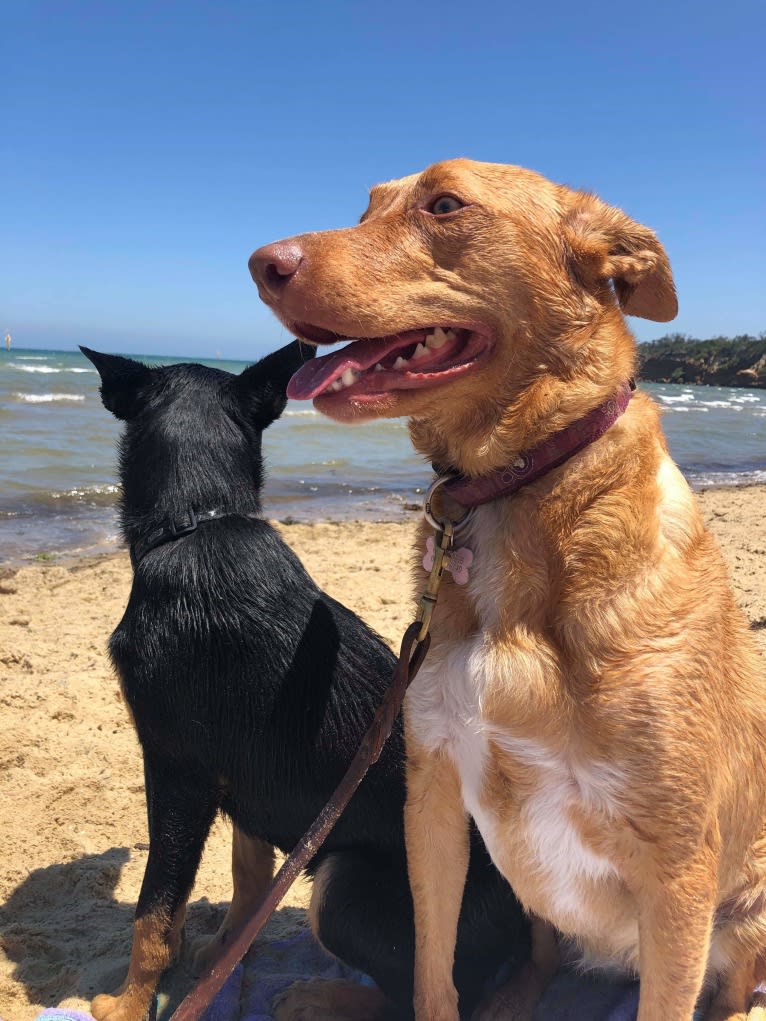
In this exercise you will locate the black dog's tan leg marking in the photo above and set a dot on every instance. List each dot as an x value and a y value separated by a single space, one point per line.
156 942
252 869
330 1001
181 808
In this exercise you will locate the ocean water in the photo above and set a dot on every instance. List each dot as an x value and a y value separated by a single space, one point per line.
58 489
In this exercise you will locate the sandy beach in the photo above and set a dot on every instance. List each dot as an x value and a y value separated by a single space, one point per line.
72 827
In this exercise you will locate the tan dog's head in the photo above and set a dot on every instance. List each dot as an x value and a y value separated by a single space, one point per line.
486 301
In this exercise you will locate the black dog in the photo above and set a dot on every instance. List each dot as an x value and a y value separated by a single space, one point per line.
250 689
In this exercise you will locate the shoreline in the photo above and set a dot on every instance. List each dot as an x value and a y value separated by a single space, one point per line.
409 514
73 829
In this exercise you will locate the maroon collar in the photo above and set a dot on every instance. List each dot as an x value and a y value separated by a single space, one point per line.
531 465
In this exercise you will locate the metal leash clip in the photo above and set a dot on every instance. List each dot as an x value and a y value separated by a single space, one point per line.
442 546
428 512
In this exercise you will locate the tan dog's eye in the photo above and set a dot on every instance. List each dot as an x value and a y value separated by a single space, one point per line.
444 204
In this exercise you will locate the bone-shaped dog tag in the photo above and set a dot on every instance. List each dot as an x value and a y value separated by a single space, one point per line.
457 561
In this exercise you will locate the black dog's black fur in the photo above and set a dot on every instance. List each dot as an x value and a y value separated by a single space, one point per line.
250 688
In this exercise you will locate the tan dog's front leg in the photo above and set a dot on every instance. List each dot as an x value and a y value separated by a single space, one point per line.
436 831
675 923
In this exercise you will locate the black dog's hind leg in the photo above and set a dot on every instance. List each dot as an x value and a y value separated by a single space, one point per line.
361 911
252 869
181 810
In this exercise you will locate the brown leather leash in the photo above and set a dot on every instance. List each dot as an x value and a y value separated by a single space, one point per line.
413 651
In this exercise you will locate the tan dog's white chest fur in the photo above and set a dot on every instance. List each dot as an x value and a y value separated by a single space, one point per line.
536 844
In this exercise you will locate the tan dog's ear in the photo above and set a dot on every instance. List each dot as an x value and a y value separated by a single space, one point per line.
607 245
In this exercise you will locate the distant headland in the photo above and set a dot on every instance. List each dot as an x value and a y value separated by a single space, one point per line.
719 361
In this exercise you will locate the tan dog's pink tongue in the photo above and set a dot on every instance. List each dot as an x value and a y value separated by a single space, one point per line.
314 377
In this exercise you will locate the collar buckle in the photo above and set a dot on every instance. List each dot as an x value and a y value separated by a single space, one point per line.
179 527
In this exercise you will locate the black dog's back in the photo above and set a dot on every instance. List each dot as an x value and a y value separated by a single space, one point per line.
240 670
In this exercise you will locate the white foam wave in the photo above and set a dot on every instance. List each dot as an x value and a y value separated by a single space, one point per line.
683 398
86 491
47 398
712 480
47 369
299 414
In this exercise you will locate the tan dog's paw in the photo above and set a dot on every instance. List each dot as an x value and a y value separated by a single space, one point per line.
325 1000
123 1007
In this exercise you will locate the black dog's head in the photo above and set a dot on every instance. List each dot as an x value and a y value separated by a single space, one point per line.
193 436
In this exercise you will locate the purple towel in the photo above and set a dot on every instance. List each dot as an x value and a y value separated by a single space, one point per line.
62 1014
270 968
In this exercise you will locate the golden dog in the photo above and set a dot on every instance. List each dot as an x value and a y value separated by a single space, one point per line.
593 697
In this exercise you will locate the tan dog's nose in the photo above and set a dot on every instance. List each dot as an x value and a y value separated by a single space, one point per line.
273 265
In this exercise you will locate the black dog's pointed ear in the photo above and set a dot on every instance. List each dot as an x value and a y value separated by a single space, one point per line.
122 382
263 386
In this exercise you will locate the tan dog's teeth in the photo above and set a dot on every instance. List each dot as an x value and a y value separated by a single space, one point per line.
349 376
378 368
420 352
400 362
337 384
436 339
451 335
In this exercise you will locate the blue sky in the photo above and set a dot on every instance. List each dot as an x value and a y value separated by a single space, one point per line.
148 148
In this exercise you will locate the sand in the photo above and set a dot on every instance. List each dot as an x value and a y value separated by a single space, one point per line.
72 824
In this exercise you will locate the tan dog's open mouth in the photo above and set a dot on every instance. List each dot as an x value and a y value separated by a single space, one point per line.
374 367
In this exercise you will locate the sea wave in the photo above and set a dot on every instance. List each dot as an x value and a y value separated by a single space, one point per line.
717 479
46 398
48 369
683 398
87 493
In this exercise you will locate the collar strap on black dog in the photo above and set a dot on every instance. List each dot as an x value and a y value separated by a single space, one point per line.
172 528
531 465
176 528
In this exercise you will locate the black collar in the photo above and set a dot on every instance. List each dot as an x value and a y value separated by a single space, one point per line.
169 531
175 528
